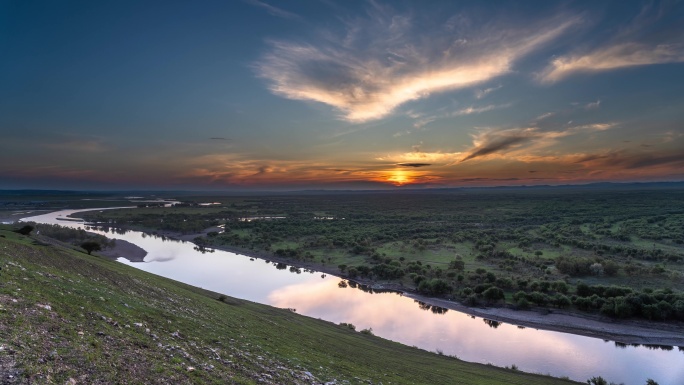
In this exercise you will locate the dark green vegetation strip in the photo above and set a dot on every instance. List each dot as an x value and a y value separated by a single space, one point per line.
614 251
66 315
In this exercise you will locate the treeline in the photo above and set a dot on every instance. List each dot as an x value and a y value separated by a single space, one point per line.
624 302
73 236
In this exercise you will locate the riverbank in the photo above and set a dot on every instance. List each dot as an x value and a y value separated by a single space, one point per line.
621 331
590 325
13 216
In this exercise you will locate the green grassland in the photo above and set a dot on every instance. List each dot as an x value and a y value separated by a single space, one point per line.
460 243
67 317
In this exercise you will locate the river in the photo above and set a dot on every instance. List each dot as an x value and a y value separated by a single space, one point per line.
397 317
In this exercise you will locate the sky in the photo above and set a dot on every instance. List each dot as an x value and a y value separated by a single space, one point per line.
337 94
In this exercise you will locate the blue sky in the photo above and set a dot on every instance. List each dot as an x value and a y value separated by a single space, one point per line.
339 94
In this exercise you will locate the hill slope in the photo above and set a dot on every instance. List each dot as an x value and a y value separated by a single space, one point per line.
69 317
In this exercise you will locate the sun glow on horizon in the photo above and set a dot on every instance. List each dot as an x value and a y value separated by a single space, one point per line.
400 177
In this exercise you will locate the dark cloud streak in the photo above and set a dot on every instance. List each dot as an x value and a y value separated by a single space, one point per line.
500 144
414 164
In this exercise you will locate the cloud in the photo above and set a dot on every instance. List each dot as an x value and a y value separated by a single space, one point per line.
544 116
479 94
274 11
389 59
608 58
414 164
593 105
71 143
592 127
489 142
630 161
498 142
478 110
218 138
652 37
419 157
422 120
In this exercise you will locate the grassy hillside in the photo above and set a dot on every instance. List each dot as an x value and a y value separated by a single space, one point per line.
66 317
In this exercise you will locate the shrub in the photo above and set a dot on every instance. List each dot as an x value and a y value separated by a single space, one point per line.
471 300
349 326
561 301
24 230
493 294
91 246
596 269
435 286
522 303
597 381
457 265
560 287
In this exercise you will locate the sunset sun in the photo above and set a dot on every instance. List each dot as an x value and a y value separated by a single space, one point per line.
400 177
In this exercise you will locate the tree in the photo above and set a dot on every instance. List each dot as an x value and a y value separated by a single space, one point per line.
522 303
561 301
457 264
597 381
91 246
560 287
596 269
493 294
25 230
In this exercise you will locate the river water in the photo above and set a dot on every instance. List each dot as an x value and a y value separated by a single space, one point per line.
396 317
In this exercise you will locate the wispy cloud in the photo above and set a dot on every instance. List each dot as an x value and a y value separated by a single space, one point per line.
389 59
479 94
634 45
491 142
423 120
478 110
618 56
631 160
593 105
420 157
70 143
275 11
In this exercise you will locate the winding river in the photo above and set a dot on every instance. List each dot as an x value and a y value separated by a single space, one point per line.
397 317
